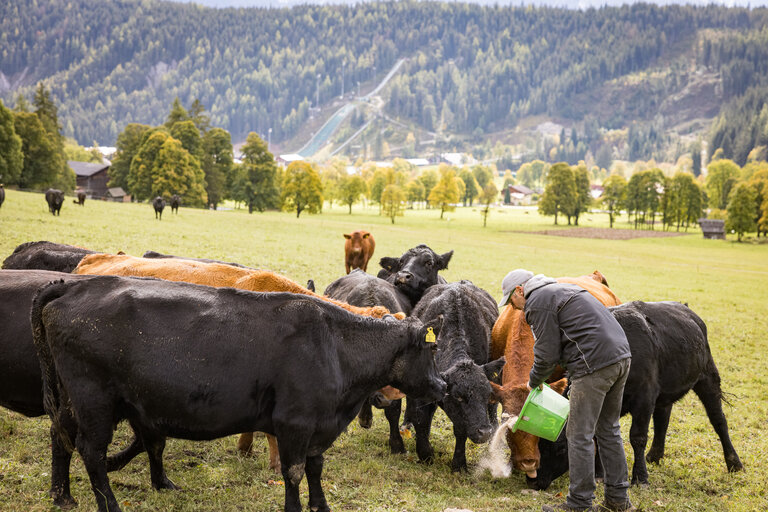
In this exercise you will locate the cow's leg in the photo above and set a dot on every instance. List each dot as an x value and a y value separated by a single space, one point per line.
392 413
123 457
317 501
421 414
245 443
61 458
92 442
365 416
708 391
660 425
459 462
293 443
274 453
638 438
154 443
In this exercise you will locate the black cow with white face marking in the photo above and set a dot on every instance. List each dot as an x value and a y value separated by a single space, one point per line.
179 355
463 347
670 357
43 255
415 271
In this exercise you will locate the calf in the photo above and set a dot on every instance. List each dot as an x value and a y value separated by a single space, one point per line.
80 198
364 290
175 202
179 356
45 255
462 358
358 249
415 271
55 198
158 204
512 336
670 356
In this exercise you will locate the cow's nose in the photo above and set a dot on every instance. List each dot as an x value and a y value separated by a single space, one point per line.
482 436
404 277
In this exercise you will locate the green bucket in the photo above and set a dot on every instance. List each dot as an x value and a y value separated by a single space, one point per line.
543 414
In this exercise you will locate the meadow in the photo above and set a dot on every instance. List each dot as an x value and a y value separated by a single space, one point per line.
725 282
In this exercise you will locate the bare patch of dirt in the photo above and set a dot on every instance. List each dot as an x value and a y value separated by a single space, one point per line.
607 233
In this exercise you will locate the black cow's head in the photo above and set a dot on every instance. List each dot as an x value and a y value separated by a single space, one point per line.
554 462
414 271
469 391
414 371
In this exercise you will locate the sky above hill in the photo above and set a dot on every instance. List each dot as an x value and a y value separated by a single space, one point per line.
572 4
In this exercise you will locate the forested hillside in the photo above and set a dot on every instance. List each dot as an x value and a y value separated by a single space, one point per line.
472 70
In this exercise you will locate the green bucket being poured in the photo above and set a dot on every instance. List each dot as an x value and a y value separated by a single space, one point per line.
543 414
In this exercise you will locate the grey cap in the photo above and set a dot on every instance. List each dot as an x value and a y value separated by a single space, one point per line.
512 280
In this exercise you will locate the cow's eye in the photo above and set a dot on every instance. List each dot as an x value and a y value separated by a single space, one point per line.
459 399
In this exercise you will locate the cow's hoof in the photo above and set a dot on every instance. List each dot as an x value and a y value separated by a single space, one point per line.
397 447
458 468
65 502
641 483
365 422
654 456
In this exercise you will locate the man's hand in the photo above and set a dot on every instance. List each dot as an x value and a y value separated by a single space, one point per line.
540 386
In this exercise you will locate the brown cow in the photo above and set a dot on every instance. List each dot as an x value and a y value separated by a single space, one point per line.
513 338
218 275
358 249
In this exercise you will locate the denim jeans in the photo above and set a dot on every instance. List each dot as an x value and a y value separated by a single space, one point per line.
595 410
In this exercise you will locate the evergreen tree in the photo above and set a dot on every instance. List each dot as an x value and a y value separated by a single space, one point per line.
201 120
175 171
11 156
217 164
177 114
187 133
43 161
741 210
260 172
128 143
48 113
302 189
140 179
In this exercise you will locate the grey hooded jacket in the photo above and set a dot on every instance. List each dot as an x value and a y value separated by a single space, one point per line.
571 328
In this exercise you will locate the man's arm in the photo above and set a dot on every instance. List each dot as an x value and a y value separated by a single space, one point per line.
546 349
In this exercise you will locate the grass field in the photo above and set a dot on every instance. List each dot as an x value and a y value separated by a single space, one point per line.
726 283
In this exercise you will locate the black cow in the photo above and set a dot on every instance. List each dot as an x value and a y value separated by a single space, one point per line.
414 271
175 202
44 255
20 379
364 290
670 356
307 365
55 198
158 204
154 254
463 347
2 194
80 198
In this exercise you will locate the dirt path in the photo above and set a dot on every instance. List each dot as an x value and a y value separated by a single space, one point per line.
606 233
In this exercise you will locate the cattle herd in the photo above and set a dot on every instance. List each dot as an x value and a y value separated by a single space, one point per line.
199 349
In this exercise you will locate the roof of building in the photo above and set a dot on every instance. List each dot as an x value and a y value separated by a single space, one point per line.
86 168
520 189
116 192
291 157
418 162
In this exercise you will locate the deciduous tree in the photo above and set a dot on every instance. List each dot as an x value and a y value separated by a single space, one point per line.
302 189
446 193
175 171
560 192
128 144
393 201
259 175
350 189
614 194
741 210
721 176
217 164
11 156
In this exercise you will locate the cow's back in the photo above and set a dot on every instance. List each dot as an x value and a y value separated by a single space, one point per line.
364 290
44 255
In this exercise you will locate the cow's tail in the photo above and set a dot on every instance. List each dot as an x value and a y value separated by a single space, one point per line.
52 400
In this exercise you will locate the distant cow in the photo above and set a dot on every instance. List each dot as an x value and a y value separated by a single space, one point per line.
414 271
211 274
175 202
2 194
512 336
364 290
80 198
358 249
20 379
670 356
55 198
181 355
45 255
462 358
158 204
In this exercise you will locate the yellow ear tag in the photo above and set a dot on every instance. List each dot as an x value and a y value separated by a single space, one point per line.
430 337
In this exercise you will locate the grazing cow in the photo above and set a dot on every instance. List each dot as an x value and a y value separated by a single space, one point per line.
364 290
512 336
80 198
180 355
358 249
211 274
154 254
158 204
462 358
2 194
175 202
670 356
415 271
20 379
44 255
55 198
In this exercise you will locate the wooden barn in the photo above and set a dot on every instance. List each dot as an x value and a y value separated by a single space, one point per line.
91 177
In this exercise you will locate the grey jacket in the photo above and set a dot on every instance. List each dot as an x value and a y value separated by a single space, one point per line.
571 328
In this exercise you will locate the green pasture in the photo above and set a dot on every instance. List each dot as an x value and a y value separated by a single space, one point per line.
725 282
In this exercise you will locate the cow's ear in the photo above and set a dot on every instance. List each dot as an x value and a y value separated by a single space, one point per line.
559 385
431 329
443 259
366 235
493 370
347 236
496 392
390 264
